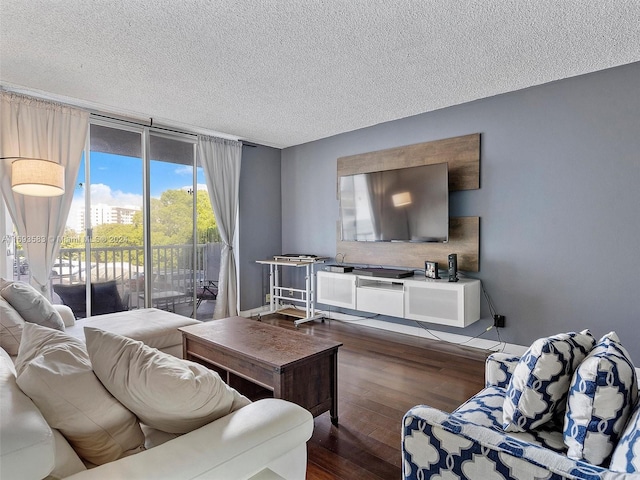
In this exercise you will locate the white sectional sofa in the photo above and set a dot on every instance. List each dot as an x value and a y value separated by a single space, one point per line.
264 439
156 328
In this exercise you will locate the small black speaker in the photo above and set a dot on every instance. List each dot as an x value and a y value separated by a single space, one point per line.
453 267
431 270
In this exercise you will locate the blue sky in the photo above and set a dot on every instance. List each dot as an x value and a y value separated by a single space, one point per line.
124 174
116 180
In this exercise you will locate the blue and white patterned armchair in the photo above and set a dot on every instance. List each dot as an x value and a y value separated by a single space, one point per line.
471 443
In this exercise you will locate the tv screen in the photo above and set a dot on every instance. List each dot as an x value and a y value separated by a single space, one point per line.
401 205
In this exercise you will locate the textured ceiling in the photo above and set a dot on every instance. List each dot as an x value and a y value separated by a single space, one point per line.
283 73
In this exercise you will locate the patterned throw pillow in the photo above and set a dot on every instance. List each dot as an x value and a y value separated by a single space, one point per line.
626 456
603 392
540 382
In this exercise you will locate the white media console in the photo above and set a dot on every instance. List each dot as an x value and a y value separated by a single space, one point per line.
456 304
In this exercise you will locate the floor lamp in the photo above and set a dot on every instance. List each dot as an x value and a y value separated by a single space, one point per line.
37 177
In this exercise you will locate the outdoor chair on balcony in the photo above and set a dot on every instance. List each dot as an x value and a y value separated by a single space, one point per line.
208 289
105 298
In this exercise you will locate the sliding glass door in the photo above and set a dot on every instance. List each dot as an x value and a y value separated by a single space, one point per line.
104 245
171 208
132 225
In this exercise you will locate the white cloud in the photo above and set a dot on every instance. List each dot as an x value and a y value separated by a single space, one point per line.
101 193
199 186
184 170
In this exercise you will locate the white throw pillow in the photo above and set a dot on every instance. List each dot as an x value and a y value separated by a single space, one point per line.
32 305
603 392
540 382
10 327
165 392
55 371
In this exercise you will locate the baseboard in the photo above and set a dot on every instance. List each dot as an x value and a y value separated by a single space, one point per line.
492 345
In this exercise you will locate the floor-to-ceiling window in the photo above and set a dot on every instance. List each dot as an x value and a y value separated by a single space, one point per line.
171 213
133 221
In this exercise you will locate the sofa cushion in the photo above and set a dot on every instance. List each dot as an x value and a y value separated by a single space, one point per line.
105 298
540 382
32 305
10 327
27 444
55 371
268 433
37 340
156 328
67 460
165 392
626 456
73 296
498 369
603 392
485 409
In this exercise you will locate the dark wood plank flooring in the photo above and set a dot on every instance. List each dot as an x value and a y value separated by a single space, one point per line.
381 375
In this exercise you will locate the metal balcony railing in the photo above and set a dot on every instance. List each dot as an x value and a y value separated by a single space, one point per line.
174 270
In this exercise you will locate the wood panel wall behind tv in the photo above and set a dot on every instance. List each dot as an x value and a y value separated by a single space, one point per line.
463 156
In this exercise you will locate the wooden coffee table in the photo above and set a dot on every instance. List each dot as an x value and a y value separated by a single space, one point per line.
250 355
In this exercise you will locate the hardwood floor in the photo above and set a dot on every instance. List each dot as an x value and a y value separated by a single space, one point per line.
380 376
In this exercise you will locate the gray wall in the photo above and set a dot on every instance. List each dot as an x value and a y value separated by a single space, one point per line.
559 201
260 227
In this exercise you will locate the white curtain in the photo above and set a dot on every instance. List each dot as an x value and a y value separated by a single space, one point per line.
39 129
220 160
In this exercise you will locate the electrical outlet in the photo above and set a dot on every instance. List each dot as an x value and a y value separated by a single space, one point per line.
267 298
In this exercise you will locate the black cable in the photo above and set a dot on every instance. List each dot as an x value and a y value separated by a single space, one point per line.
466 341
477 336
430 332
500 342
504 344
492 309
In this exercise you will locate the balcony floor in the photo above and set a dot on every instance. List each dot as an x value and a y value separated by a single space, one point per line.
204 313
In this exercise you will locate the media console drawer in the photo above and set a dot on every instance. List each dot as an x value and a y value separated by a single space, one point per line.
380 297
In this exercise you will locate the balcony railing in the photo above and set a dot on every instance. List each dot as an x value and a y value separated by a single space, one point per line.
174 269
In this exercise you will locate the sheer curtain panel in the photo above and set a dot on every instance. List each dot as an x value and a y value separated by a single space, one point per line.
220 160
39 129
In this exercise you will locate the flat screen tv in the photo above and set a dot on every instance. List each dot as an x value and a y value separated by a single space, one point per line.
401 205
